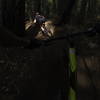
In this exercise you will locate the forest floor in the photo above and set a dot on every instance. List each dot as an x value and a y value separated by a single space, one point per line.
19 65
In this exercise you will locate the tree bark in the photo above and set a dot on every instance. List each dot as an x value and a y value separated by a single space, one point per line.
13 15
65 16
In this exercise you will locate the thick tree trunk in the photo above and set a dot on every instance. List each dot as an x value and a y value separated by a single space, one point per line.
82 13
66 13
0 13
13 15
91 11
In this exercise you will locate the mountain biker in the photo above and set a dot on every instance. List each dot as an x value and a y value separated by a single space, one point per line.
39 19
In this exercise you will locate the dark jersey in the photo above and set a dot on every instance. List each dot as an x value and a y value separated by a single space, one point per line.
40 19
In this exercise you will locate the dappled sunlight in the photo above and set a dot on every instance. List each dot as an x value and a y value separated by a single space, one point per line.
83 80
85 74
49 26
28 24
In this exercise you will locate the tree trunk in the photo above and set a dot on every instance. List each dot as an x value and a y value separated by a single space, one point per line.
91 11
66 13
13 15
82 12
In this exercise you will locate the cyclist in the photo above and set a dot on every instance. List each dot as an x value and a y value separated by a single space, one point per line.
39 19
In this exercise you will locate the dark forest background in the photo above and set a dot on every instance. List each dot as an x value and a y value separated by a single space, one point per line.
73 12
20 68
76 12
